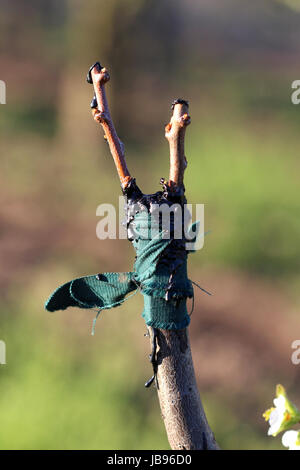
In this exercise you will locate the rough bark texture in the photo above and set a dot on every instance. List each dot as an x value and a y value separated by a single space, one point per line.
180 403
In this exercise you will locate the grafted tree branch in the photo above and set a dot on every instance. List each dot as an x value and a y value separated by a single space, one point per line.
181 407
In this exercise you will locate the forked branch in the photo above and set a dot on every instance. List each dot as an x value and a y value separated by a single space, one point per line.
180 403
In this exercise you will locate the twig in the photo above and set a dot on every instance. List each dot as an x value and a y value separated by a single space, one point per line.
100 77
175 133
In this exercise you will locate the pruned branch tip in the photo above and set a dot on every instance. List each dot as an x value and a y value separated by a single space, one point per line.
175 133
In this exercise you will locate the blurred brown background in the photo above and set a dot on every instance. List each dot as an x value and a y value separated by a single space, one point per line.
235 62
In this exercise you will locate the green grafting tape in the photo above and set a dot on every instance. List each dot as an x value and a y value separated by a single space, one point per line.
152 272
158 284
159 313
160 272
102 291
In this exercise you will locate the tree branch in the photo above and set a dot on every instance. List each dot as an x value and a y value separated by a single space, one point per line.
100 77
180 403
175 133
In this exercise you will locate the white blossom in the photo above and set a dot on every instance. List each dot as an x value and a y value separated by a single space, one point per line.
291 439
283 415
277 415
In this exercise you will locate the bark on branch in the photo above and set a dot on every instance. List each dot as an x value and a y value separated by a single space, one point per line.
175 133
180 403
100 77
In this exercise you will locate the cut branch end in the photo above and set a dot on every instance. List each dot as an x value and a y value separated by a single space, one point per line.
175 133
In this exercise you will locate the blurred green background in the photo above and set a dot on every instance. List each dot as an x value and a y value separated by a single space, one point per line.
234 61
